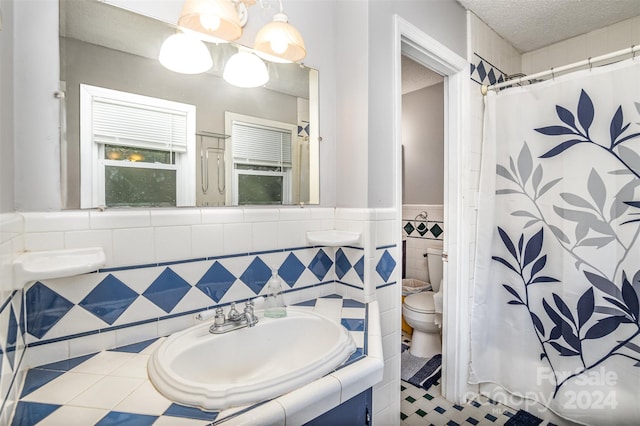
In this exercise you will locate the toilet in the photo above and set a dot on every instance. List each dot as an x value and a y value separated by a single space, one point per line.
423 311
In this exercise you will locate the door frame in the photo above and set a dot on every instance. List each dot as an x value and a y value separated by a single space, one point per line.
422 48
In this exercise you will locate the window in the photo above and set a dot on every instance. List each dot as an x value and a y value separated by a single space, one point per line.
262 166
135 150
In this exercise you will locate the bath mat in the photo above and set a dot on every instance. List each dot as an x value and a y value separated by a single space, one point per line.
420 372
522 418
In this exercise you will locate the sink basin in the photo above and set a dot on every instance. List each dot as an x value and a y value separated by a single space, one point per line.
40 265
213 372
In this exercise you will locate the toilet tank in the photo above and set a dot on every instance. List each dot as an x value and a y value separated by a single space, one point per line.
434 262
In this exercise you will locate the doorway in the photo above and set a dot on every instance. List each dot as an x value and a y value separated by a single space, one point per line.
415 44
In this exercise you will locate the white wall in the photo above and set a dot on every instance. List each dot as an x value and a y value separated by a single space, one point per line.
6 108
599 42
443 20
37 111
423 145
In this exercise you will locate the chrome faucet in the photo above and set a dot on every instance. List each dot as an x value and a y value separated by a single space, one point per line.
234 319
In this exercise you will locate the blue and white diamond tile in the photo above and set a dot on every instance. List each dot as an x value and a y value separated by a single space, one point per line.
342 264
484 72
193 300
291 269
192 272
109 299
76 320
44 309
216 281
239 292
385 264
321 265
256 275
307 279
141 309
359 268
139 279
74 288
167 290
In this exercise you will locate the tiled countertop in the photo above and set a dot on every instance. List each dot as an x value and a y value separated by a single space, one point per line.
112 387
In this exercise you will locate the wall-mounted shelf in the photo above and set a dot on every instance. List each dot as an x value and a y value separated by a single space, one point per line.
39 265
333 238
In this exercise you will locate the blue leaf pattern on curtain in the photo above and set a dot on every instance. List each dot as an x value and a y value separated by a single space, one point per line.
582 320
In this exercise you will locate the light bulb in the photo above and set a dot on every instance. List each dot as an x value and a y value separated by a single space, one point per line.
185 54
210 22
279 45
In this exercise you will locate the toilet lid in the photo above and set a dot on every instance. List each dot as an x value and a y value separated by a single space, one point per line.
420 302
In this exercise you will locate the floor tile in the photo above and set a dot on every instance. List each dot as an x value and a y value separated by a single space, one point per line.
30 413
144 400
63 389
74 416
177 421
36 378
152 347
67 364
134 348
135 367
178 410
116 418
107 392
103 363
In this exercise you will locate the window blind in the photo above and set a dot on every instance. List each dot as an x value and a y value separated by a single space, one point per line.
264 145
137 125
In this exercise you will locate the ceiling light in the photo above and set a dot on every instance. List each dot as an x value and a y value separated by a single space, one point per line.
280 41
244 69
217 19
185 54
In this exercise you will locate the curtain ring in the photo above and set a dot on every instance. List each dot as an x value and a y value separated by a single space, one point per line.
633 52
553 74
590 64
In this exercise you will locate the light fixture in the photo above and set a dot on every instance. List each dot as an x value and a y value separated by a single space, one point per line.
279 41
244 69
185 54
222 20
213 20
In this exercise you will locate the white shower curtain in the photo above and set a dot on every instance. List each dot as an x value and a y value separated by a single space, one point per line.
556 311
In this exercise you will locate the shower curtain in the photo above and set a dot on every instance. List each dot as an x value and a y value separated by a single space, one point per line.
556 310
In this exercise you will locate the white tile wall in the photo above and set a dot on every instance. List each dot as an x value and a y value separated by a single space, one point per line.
416 263
134 237
131 237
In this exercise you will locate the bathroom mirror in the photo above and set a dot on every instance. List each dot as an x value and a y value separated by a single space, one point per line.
104 47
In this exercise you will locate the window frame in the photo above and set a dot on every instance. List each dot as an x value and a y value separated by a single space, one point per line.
233 173
93 163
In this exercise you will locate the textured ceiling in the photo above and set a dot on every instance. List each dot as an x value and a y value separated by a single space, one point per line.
531 24
416 77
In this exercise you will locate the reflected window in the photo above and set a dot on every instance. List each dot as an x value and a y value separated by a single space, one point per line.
136 151
262 160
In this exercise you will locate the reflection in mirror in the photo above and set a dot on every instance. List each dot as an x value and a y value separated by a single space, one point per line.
109 49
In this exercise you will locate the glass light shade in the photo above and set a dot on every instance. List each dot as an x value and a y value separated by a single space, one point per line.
185 54
211 19
279 41
244 69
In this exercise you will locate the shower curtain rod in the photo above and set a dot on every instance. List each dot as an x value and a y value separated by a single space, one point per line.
629 50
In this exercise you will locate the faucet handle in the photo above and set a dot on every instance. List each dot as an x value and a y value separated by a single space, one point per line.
219 318
233 312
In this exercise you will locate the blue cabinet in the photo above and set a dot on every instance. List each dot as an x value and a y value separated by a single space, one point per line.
354 412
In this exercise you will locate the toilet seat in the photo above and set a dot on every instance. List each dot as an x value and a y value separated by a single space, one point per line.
421 302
